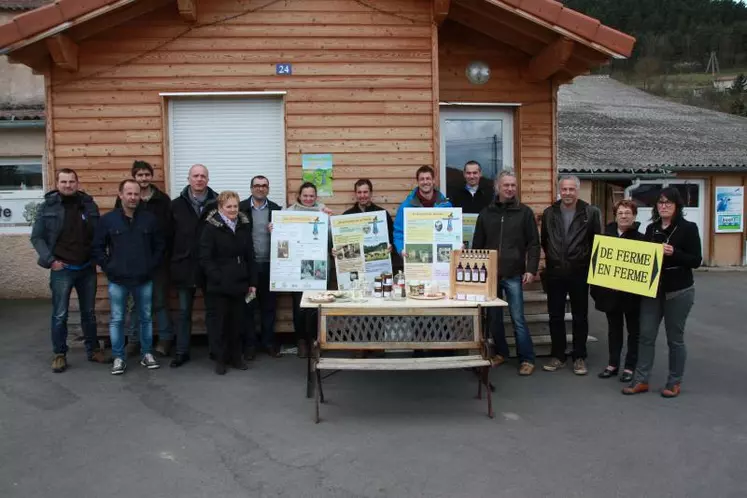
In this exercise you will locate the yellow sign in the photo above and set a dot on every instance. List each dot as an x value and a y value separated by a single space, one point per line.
626 265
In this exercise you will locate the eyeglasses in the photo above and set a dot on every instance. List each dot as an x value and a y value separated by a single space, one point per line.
261 185
665 203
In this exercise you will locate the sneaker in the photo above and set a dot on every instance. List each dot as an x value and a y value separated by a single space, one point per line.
119 366
579 367
497 360
149 362
526 368
100 356
132 349
637 388
59 363
240 364
554 365
163 348
671 391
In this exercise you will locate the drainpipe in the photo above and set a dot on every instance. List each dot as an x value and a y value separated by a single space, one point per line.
634 185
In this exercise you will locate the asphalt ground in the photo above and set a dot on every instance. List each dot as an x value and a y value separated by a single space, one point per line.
191 433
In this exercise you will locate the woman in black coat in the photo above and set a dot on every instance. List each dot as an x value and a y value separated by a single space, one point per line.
620 306
227 258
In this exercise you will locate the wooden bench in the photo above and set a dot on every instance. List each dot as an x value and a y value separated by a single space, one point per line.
378 326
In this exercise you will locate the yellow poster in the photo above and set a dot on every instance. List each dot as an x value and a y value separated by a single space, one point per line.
626 265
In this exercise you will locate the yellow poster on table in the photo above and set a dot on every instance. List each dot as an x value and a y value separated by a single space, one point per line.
626 265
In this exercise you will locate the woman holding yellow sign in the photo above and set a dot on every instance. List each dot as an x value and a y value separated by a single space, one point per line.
620 307
676 293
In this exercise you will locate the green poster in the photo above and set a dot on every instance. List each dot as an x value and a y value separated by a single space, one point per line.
317 169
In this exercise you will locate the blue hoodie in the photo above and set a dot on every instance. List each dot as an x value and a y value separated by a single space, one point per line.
412 201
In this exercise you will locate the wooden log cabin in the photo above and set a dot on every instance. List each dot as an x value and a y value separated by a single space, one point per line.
249 86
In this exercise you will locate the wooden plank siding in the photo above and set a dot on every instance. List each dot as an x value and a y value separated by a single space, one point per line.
362 89
533 119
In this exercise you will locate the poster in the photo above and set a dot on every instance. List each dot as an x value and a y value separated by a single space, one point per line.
317 169
362 244
626 265
430 236
298 251
729 209
469 221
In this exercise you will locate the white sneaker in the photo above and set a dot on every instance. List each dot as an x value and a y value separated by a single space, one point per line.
119 366
149 362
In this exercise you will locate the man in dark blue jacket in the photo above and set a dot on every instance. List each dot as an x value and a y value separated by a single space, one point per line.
62 236
128 246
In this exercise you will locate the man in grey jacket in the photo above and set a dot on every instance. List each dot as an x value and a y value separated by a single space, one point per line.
62 236
508 226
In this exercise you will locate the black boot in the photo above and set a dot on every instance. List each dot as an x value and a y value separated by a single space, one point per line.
179 360
220 368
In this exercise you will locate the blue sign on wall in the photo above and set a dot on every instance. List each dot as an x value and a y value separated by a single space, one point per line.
283 69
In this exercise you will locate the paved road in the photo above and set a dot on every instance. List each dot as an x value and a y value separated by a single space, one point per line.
190 433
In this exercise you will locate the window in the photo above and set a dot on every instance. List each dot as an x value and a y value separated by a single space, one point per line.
236 138
21 191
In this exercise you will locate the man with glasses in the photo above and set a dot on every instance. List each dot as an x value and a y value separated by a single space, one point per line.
258 209
568 230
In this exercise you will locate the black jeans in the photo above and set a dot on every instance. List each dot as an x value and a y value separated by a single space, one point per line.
266 303
305 324
615 335
224 320
574 286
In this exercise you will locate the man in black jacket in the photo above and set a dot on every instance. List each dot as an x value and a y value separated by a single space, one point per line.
188 213
128 246
159 204
473 197
509 227
258 210
364 204
568 230
62 235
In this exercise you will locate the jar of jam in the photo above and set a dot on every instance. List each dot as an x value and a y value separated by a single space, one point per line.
378 287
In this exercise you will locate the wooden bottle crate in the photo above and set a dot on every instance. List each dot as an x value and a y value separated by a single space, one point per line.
474 291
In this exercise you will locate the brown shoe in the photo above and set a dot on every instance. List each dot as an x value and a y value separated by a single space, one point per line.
99 356
554 365
637 388
59 363
497 360
671 391
303 349
526 368
163 348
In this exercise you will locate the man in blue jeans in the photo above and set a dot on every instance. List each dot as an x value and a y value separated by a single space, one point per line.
509 227
128 246
62 235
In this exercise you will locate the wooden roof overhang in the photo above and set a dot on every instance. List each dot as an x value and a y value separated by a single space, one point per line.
560 42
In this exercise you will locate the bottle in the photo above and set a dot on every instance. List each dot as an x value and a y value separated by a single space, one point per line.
460 273
399 286
475 273
467 274
386 284
483 274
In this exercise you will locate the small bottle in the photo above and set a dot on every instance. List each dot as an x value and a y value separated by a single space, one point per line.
460 273
399 285
483 274
386 285
467 274
475 273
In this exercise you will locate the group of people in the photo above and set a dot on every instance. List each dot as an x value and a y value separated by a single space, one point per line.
568 228
220 244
